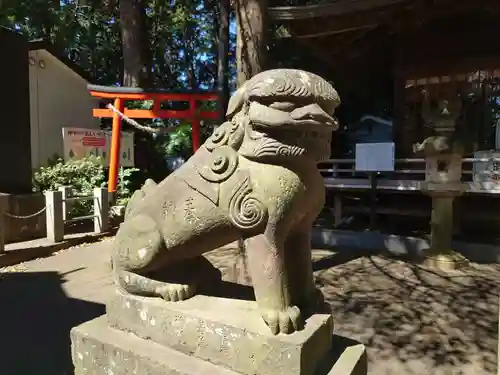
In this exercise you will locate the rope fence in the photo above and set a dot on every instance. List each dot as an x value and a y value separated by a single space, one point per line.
20 217
57 212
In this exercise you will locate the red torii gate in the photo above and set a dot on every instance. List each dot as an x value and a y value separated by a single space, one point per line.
122 94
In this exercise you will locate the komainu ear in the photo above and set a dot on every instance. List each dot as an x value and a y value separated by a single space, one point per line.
236 102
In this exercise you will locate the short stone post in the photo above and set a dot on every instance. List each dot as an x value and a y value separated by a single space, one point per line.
4 205
67 192
54 215
101 210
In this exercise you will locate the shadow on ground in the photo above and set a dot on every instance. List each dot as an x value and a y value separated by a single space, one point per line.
35 320
414 320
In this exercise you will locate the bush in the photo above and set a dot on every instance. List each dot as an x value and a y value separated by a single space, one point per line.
83 175
124 187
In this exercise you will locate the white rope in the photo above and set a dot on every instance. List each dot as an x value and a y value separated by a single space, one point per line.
144 128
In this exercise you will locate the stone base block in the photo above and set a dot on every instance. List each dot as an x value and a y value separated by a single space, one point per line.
98 349
226 332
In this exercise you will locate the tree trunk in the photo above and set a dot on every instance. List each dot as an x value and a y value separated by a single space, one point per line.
189 59
222 58
135 44
252 38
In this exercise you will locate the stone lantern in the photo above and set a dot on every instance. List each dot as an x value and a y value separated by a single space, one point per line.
443 153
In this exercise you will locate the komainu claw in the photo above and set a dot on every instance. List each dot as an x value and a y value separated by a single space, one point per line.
283 321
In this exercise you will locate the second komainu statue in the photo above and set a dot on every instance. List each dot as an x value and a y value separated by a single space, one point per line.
255 178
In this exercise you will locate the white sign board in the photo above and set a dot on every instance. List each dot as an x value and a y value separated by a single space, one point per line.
375 157
79 143
487 171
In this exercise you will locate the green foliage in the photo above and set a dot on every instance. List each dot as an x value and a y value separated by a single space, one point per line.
182 46
180 143
87 34
125 185
83 175
182 37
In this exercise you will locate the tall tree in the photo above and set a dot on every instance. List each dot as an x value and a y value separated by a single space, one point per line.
135 44
252 38
180 37
222 57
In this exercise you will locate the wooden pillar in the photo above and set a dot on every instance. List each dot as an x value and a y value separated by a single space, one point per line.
399 82
252 38
114 159
4 206
399 124
195 124
337 209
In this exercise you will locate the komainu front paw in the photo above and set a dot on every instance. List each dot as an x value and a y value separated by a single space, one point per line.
283 321
175 292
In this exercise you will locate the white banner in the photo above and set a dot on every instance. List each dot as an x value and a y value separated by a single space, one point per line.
79 143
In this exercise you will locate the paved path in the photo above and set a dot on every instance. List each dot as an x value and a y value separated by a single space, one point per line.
18 252
42 300
413 320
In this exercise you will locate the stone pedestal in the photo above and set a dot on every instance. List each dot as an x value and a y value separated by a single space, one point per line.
205 335
441 255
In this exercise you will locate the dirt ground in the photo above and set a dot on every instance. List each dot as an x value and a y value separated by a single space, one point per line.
413 320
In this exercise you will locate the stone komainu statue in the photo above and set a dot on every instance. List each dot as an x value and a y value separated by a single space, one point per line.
255 178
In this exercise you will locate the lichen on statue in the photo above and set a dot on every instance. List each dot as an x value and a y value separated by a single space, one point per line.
254 178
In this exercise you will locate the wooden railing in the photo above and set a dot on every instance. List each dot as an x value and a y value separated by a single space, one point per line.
340 174
349 186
